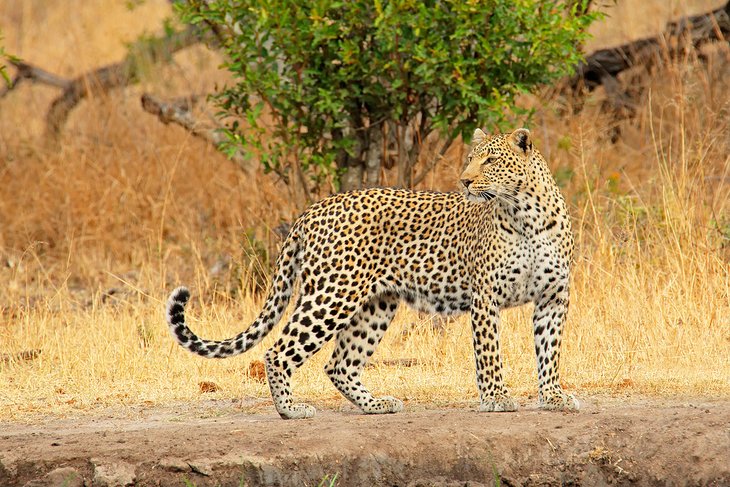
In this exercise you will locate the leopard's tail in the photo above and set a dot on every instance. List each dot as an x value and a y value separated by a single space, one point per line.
287 266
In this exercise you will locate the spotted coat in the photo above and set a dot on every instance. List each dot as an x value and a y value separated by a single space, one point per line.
504 241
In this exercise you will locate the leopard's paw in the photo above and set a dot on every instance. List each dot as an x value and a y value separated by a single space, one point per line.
384 405
558 400
498 404
298 411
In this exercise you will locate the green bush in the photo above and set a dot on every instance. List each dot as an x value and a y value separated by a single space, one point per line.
322 86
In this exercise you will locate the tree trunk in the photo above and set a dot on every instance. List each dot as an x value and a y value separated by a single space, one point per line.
404 140
374 156
353 166
352 178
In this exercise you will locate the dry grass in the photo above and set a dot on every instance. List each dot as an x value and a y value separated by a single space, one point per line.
95 235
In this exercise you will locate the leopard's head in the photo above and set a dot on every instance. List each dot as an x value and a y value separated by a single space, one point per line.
497 166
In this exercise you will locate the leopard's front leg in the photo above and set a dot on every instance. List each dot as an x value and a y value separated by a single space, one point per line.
548 319
493 394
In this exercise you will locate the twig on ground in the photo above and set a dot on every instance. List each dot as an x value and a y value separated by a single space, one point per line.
25 355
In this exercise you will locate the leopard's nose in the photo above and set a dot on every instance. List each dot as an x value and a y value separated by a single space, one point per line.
467 182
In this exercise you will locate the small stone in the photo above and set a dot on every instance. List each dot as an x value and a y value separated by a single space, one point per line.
8 464
114 474
202 467
174 465
66 476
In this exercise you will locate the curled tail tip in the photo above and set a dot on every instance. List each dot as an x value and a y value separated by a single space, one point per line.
180 295
176 306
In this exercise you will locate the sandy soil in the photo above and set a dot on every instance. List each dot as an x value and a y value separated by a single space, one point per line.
610 441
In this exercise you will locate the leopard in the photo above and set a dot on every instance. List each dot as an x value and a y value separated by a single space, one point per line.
504 239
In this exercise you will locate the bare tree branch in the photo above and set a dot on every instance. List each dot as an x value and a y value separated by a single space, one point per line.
694 31
178 111
116 75
25 71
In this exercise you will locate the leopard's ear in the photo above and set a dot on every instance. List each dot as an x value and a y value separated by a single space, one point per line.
521 142
478 137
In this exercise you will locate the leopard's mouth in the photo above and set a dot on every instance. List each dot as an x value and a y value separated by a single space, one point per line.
481 197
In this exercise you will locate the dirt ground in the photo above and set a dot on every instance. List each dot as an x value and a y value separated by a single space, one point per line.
610 441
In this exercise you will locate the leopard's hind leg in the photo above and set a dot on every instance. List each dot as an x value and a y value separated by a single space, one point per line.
310 326
355 345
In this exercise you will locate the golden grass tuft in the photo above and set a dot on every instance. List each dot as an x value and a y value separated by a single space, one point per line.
95 235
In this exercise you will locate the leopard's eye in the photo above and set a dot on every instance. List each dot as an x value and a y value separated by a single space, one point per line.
489 160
